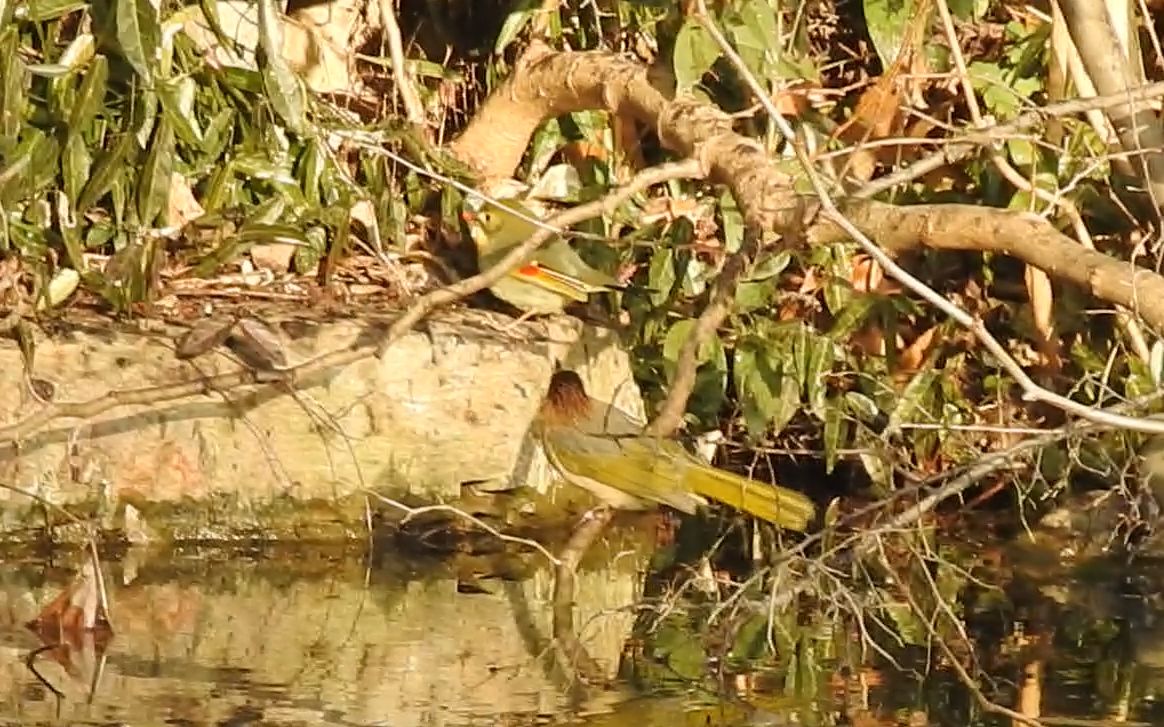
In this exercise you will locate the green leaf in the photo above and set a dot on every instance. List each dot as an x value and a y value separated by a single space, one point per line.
269 232
695 53
733 222
220 188
753 25
269 214
49 70
283 87
753 389
62 285
768 392
218 133
339 244
241 80
177 100
818 362
12 98
853 315
153 191
515 22
261 166
46 158
862 406
76 164
768 265
969 10
836 428
752 296
1022 151
661 275
307 256
42 10
887 22
677 335
997 94
880 472
109 166
18 167
838 293
90 97
138 35
913 400
311 165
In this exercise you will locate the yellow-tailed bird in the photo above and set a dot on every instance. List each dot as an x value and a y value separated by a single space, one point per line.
552 278
597 446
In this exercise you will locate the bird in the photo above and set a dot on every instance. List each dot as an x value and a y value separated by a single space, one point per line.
601 448
552 278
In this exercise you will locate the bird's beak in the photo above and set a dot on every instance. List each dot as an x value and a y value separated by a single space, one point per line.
469 216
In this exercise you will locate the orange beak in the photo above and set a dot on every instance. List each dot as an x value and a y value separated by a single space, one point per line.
468 216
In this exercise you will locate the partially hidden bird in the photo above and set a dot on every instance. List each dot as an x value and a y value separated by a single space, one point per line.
552 278
601 448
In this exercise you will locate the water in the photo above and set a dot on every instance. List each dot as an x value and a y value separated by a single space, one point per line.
310 637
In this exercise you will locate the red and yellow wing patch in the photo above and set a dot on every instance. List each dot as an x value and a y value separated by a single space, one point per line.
564 285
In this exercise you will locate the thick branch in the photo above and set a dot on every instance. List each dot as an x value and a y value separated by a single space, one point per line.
551 84
1027 237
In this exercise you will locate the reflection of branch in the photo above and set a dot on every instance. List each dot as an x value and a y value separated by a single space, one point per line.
94 556
580 541
926 620
981 468
411 512
30 662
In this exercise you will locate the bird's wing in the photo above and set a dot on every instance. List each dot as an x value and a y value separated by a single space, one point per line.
564 285
627 463
558 255
608 445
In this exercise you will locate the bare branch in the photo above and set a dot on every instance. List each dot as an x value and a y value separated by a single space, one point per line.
723 294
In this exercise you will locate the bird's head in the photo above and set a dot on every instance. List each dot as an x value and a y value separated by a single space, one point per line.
566 399
498 227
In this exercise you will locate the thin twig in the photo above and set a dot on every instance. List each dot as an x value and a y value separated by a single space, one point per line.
964 676
400 75
969 143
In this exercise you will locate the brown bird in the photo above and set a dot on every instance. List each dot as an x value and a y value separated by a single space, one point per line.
601 448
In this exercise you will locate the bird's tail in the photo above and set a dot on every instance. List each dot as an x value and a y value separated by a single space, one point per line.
784 507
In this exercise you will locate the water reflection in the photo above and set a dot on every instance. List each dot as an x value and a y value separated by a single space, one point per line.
311 638
327 637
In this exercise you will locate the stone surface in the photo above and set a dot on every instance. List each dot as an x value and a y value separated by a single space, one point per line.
449 405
